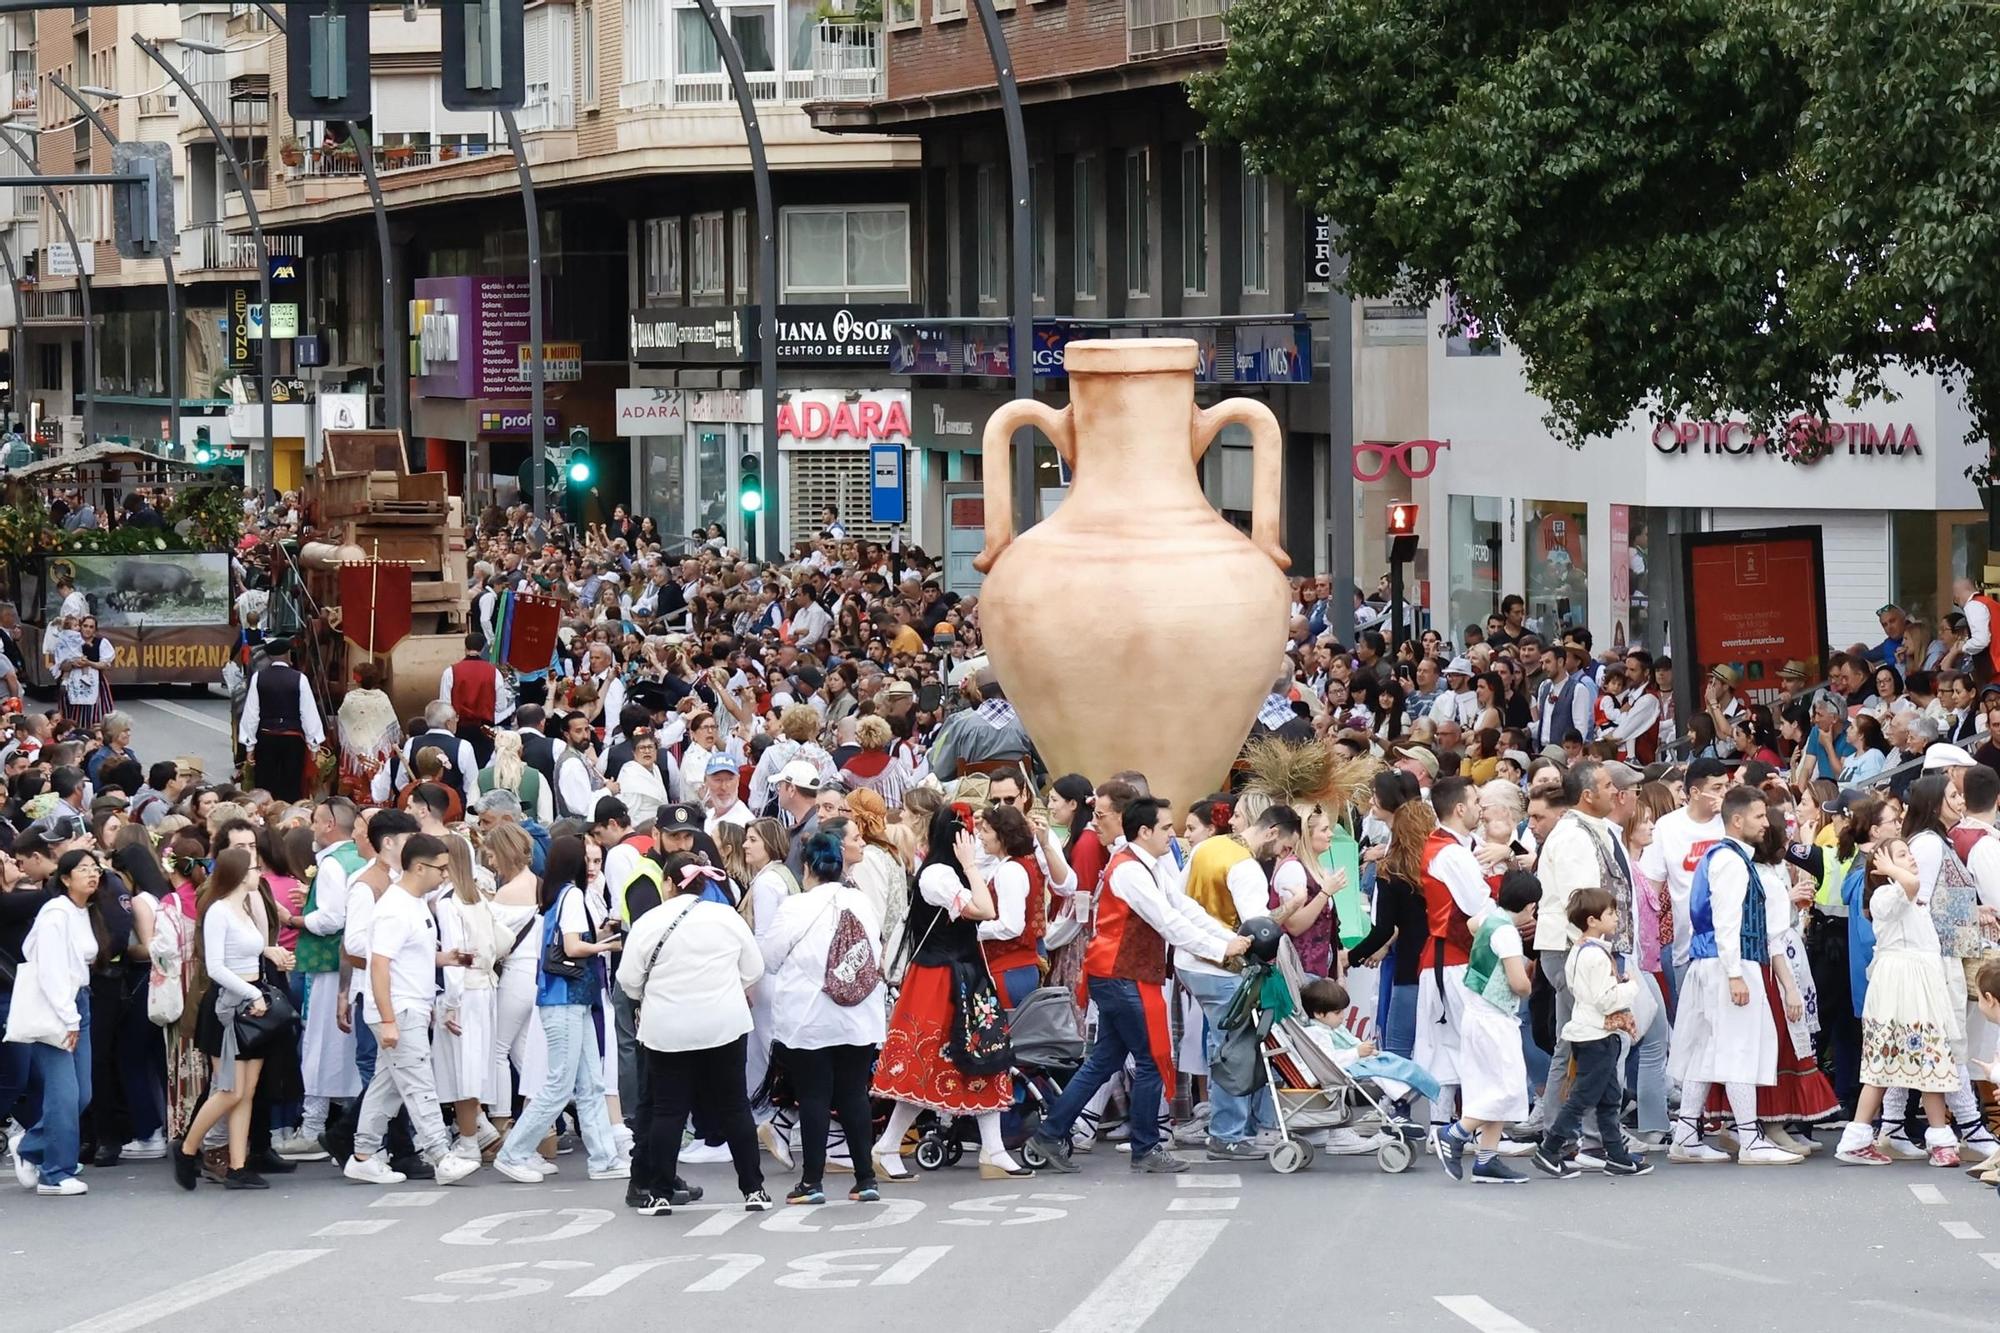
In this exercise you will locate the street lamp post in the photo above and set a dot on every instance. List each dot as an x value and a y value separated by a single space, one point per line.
82 280
537 434
395 368
166 260
767 265
20 367
261 464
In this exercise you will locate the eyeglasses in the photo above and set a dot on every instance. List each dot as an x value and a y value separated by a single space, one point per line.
1415 459
1005 800
443 869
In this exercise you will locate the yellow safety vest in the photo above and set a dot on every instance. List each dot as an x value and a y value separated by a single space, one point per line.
648 868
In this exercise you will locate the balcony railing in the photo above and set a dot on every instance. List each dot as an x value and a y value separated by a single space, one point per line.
45 303
159 103
765 86
21 93
342 163
1168 27
233 111
205 245
847 62
547 109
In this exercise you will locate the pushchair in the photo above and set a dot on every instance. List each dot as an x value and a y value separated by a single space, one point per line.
1047 1052
1310 1092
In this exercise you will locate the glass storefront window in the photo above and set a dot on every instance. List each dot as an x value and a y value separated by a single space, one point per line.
1558 570
1631 555
664 489
711 495
1927 551
1475 562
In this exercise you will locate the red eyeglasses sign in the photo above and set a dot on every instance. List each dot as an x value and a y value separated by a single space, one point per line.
1415 459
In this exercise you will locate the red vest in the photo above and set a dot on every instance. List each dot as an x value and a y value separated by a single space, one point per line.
1024 949
473 684
1964 838
1646 745
1125 945
1451 930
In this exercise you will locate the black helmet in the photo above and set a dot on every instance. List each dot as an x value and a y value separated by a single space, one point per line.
1264 936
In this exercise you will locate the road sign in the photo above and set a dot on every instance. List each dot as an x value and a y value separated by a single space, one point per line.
887 495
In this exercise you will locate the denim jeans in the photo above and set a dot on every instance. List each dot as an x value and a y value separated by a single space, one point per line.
1595 1089
64 1076
404 1081
1647 1072
574 1075
1231 1118
1131 1021
364 1049
1399 1028
19 1097
1554 965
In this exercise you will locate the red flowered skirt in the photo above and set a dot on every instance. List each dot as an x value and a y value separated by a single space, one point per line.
1801 1092
912 1067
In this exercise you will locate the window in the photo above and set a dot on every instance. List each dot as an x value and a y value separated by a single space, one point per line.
586 46
1256 232
645 41
1558 575
947 9
753 27
1194 219
992 219
845 254
1138 228
904 14
661 249
707 260
739 256
1083 225
1038 261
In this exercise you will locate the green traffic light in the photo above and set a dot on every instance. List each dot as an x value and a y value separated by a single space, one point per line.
579 468
753 500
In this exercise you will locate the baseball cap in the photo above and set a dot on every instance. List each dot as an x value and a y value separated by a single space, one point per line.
678 818
801 773
1842 802
721 763
1418 754
1946 756
1624 777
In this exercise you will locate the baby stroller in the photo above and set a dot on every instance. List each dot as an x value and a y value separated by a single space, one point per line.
1310 1092
1047 1051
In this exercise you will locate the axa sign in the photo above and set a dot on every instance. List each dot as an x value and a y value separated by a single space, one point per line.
837 419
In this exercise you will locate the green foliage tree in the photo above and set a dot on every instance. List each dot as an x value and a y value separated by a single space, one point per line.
1682 206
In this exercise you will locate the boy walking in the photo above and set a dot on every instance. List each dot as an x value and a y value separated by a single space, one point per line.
1601 1008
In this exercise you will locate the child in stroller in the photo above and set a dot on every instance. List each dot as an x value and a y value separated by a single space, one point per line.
1326 1004
1047 1052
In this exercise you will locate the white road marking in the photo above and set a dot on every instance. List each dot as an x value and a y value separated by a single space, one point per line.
582 1221
1142 1281
1992 1260
1482 1314
360 1226
409 1199
1962 1231
1202 1205
1188 1180
720 1223
1927 1193
1741 1275
1934 1316
184 714
911 1266
1602 1242
197 1291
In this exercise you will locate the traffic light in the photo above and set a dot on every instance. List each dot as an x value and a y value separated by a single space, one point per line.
750 484
205 451
579 468
485 55
1402 519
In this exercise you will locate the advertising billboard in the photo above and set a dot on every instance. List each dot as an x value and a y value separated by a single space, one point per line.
1756 599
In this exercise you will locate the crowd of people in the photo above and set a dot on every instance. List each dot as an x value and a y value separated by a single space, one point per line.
756 869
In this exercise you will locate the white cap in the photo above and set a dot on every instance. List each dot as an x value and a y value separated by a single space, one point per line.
801 773
1946 756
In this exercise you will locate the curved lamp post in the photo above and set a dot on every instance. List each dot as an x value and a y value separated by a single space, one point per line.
537 432
1021 284
20 337
82 281
89 113
261 464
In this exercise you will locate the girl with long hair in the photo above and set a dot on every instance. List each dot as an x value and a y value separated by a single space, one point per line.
68 935
520 1049
469 1008
880 873
228 963
1401 925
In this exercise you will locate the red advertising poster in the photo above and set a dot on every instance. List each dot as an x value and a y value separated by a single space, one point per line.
1756 600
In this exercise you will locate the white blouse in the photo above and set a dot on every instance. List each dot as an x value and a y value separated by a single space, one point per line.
1901 925
804 1017
230 946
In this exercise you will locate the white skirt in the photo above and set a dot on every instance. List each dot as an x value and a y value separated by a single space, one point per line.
463 1064
1492 1071
1911 1031
1716 1041
1440 1020
326 1054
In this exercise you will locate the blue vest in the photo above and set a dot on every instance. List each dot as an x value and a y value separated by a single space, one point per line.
1701 909
1563 708
552 991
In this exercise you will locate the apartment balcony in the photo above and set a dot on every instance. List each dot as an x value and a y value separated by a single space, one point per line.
547 108
342 163
21 94
847 62
846 65
211 247
242 105
52 305
1171 27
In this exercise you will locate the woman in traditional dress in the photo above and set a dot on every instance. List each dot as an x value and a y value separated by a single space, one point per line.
509 772
86 690
369 739
468 1008
951 898
176 930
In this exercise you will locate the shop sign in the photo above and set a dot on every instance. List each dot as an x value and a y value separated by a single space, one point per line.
951 419
515 421
731 406
666 334
1272 354
648 411
240 353
1319 267
1387 325
467 333
562 363
823 334
1802 439
842 419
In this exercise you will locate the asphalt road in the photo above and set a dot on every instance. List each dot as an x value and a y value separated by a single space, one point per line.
1339 1245
168 723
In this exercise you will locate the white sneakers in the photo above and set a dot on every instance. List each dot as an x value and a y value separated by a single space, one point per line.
296 1147
1346 1142
452 1168
74 1185
520 1174
151 1149
376 1171
618 1170
699 1152
26 1173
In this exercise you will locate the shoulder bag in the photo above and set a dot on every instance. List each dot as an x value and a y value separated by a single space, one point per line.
32 1019
646 974
556 962
165 999
256 1034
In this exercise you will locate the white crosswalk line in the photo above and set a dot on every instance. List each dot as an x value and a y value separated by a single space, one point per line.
411 1199
1190 1180
360 1226
719 1223
196 1291
1740 1275
1962 1231
1203 1205
1130 1293
1482 1314
1927 1193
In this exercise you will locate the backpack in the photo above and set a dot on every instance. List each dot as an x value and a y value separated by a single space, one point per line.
852 971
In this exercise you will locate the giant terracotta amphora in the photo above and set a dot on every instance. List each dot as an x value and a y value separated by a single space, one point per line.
1135 629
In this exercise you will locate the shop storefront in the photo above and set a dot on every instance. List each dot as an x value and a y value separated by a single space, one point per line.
1581 534
687 447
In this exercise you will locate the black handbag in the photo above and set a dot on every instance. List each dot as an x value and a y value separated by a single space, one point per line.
556 962
258 1033
978 1042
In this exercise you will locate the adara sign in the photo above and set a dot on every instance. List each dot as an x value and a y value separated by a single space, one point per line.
842 419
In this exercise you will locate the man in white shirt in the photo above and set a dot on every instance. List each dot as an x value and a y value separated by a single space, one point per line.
1568 861
810 621
403 958
1680 837
1441 993
719 795
578 781
1458 702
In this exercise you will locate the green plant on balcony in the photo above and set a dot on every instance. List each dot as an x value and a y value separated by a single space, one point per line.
290 153
849 11
398 155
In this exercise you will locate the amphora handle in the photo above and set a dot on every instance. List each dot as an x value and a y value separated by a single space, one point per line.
997 460
1267 467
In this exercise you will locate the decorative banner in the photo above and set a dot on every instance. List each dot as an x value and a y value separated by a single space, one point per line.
529 636
375 604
